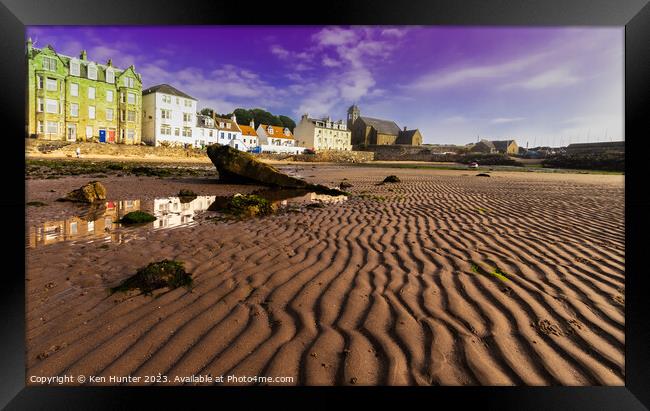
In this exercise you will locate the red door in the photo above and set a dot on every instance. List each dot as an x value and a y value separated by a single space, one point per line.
111 136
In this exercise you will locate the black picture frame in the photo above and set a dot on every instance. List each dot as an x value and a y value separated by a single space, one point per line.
633 14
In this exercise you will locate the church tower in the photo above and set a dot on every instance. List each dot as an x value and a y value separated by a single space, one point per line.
353 115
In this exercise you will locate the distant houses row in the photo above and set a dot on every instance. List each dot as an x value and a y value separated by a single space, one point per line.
76 99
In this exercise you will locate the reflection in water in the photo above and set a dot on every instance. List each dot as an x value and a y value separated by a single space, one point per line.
101 221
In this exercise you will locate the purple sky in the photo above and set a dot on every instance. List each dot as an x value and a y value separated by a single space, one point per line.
537 85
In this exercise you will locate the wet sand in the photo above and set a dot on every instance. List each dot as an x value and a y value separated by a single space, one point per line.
396 286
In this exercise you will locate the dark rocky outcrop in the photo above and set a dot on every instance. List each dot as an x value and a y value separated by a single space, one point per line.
137 217
88 193
392 179
161 274
238 167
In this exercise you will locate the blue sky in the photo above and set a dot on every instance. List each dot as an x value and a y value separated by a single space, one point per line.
537 85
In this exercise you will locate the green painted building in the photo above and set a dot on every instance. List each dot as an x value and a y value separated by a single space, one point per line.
75 99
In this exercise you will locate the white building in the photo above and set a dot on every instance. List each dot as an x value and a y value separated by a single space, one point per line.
275 139
322 134
168 116
171 212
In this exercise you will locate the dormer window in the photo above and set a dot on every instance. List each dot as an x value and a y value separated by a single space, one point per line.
92 72
49 63
270 129
286 131
221 125
75 68
110 75
227 125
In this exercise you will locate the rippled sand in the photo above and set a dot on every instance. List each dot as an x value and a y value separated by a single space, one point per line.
396 286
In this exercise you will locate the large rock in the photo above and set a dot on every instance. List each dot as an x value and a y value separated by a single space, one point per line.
88 193
238 167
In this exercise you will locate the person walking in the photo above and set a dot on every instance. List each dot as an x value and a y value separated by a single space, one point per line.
78 152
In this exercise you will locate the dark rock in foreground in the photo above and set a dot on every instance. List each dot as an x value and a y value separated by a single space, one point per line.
88 193
392 179
482 175
238 167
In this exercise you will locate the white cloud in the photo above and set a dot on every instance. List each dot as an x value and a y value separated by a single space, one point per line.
330 62
453 76
279 51
552 78
502 120
393 32
335 37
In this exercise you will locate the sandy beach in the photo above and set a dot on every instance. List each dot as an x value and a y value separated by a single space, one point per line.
445 278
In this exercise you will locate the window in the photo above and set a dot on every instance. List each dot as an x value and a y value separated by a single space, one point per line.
73 228
74 89
91 112
52 127
131 115
40 127
51 84
166 114
131 98
51 106
210 133
49 63
178 101
92 72
165 130
74 110
91 93
39 82
129 82
222 135
110 75
187 117
188 103
228 125
39 106
109 114
177 131
122 97
130 134
166 98
75 68
229 136
109 96
122 115
187 132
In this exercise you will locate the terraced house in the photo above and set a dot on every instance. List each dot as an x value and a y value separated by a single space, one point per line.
75 99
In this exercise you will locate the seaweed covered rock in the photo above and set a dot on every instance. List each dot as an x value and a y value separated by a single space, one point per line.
239 205
137 217
161 274
238 167
392 179
88 193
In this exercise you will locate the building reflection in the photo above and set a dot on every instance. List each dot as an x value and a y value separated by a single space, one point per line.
175 211
102 221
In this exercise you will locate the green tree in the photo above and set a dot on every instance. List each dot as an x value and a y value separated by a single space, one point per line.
287 122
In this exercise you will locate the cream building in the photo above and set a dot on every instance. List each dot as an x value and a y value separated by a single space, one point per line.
322 134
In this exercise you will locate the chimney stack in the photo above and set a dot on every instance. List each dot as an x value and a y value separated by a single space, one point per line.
234 117
252 124
83 56
29 44
404 128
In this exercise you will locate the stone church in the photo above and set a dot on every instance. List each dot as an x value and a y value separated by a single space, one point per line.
368 130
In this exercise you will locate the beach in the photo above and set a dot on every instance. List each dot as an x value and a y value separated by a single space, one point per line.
444 278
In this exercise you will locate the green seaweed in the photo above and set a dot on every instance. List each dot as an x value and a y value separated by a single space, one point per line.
161 274
137 217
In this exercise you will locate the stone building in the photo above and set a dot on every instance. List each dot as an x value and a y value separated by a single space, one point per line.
483 146
374 131
322 134
76 99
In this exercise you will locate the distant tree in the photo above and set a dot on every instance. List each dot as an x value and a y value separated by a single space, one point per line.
287 122
207 111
